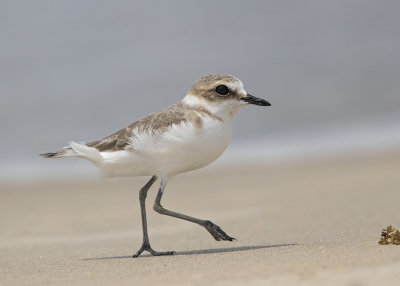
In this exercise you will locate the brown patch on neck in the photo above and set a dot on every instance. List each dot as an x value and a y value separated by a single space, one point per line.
197 122
201 110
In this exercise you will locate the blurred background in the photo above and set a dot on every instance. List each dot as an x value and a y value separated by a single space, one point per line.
81 70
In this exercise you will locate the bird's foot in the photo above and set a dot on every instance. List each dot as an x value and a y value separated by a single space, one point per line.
148 248
216 231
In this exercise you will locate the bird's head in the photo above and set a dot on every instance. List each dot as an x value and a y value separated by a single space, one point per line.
221 94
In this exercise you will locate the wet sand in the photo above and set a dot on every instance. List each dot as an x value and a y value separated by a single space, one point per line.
314 222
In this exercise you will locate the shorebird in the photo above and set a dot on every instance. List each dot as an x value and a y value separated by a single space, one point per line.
183 137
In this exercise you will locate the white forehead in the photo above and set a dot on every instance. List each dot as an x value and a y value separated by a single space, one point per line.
236 86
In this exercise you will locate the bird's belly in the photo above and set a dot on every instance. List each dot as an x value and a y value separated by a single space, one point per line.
193 154
191 157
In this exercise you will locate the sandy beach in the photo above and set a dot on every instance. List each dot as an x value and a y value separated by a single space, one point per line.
310 222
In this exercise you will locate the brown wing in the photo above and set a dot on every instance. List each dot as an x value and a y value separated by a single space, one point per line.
154 123
117 141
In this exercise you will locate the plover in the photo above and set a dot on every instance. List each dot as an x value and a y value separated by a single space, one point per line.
185 136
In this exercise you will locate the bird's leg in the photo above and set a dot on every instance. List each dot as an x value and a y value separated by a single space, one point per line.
212 228
146 242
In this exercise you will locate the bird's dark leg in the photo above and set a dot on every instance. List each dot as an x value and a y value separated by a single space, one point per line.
212 228
146 242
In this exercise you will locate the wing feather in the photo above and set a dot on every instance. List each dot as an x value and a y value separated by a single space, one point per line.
153 124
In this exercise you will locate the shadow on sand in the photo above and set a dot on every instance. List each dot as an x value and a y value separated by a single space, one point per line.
202 251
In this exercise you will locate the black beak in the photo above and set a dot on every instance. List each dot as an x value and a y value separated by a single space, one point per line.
255 100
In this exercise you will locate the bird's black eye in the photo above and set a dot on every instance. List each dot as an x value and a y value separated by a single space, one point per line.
222 90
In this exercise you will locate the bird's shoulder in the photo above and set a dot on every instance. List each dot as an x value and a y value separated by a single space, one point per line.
155 123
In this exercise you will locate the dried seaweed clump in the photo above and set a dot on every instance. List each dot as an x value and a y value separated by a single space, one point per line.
390 235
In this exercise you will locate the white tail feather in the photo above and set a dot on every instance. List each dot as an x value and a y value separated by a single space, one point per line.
84 151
